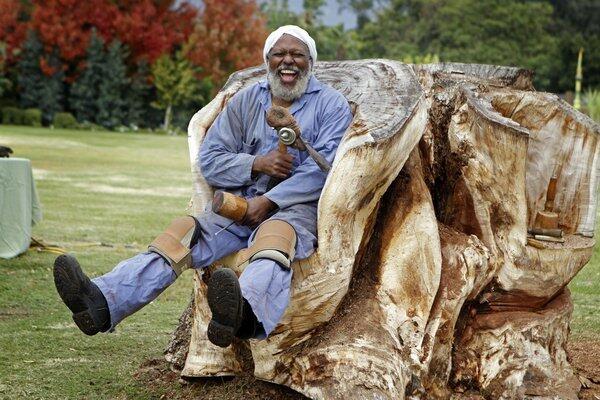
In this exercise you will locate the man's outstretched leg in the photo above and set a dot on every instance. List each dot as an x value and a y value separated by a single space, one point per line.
131 285
135 282
252 306
82 296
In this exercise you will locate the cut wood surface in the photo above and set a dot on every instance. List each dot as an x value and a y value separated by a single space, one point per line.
424 284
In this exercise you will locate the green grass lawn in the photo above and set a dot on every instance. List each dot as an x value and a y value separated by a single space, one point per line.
119 190
585 289
95 187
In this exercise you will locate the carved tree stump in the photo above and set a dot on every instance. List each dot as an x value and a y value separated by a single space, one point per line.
424 284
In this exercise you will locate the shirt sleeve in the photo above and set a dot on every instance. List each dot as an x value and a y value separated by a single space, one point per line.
222 160
306 183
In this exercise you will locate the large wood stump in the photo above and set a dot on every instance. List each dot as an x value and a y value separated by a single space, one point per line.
424 284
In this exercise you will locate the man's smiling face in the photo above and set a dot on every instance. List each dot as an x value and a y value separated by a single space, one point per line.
289 66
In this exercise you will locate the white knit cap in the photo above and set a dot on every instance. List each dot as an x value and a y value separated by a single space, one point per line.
296 32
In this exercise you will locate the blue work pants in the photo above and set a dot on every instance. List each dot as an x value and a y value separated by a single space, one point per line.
135 282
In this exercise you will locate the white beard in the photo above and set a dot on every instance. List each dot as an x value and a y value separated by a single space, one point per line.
288 94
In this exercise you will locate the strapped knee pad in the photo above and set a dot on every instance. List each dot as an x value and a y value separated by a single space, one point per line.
274 240
175 242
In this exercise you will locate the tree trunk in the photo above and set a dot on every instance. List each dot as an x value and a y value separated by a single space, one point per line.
167 120
425 283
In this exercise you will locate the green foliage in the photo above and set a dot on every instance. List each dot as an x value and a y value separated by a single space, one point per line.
112 93
12 116
40 88
140 95
32 117
52 91
418 59
5 83
335 43
576 25
176 84
114 89
104 94
312 11
65 120
174 79
362 9
278 14
591 102
86 89
512 33
17 116
509 32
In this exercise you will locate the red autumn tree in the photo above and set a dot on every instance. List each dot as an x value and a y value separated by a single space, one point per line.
67 24
229 37
152 28
149 28
12 31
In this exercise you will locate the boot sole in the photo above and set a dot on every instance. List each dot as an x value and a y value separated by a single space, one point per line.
225 301
67 278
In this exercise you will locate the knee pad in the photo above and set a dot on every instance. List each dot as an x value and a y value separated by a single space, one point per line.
175 242
274 240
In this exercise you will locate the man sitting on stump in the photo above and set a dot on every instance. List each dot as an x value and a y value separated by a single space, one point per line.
239 155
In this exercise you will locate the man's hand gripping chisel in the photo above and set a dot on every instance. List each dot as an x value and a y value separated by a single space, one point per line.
288 137
279 118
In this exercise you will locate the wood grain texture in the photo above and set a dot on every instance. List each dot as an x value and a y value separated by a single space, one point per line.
424 284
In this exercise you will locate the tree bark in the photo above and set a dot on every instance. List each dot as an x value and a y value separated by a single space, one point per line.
425 283
167 119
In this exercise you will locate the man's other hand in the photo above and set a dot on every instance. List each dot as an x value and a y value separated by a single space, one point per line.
258 210
274 163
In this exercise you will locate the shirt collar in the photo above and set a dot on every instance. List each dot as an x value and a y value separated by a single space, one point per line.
313 85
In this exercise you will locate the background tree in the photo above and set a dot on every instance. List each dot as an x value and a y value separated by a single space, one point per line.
13 30
148 28
151 28
112 98
577 25
176 83
102 93
69 24
140 94
86 88
509 32
336 43
361 8
30 75
278 13
5 83
312 11
513 33
40 79
230 36
52 87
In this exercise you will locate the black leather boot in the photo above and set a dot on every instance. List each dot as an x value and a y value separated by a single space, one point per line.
81 295
227 306
250 326
232 315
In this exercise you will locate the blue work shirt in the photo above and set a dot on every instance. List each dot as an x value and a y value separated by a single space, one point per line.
240 133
